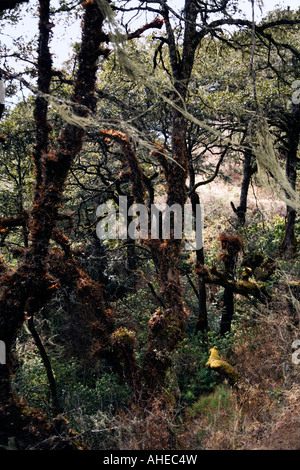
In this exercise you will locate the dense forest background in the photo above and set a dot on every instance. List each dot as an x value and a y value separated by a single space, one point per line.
140 343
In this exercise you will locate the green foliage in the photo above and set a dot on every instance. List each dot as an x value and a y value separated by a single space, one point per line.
86 393
264 236
134 312
80 392
193 378
31 382
212 403
276 394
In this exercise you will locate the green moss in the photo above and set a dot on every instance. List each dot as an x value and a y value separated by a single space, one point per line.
246 287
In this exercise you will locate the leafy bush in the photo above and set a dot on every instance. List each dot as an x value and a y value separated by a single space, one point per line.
265 237
80 393
31 382
134 312
192 376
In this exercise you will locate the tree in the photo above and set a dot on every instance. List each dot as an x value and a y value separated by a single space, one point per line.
168 324
10 4
67 146
42 270
27 288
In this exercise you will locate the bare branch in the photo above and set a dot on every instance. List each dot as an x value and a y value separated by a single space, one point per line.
10 4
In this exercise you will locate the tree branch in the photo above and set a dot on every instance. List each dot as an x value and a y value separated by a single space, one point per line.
209 180
156 23
8 222
9 4
244 287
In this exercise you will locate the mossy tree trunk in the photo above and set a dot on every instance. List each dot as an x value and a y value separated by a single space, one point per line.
27 289
167 325
231 246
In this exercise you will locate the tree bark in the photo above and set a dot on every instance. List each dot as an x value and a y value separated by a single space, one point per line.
289 242
202 320
27 289
167 325
248 171
228 311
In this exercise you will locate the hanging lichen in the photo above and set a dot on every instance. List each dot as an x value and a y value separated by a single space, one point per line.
270 173
138 73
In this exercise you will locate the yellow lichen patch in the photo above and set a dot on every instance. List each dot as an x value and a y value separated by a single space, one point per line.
123 336
294 283
217 364
247 272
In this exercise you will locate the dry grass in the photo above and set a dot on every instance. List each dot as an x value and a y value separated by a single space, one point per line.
264 411
136 428
214 422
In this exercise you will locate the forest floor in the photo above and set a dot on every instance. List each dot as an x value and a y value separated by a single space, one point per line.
283 432
264 413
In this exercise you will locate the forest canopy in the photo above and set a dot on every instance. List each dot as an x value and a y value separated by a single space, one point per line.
149 225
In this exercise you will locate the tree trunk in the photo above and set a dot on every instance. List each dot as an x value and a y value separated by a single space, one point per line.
231 246
167 325
228 311
131 264
248 171
202 320
27 289
289 242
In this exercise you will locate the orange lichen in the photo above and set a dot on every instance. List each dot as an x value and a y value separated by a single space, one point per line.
231 243
87 2
52 156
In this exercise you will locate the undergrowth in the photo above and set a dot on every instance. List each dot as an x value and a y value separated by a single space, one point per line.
204 411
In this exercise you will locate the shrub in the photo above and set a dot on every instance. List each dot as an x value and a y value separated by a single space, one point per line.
264 237
80 392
